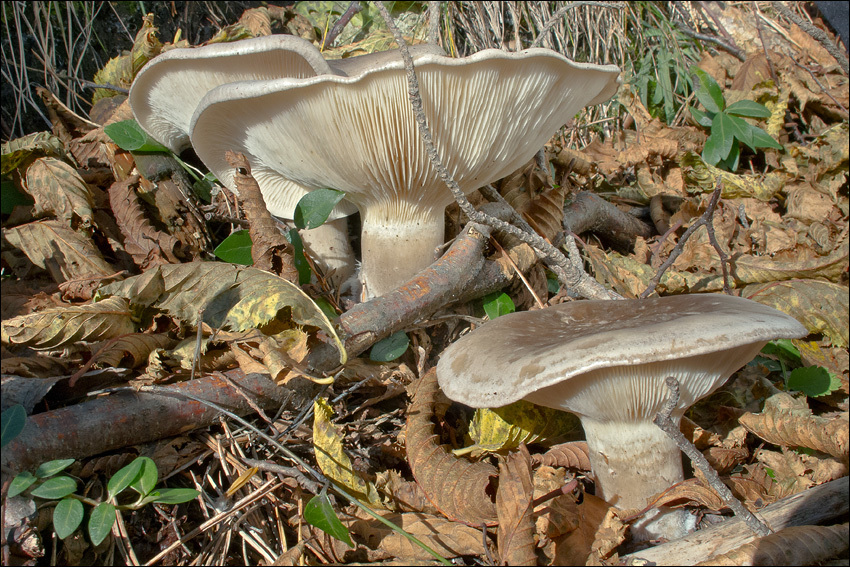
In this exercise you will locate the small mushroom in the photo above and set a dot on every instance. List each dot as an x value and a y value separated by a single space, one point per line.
606 361
488 113
166 92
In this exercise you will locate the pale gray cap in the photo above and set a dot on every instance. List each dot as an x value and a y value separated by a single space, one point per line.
488 114
167 90
520 354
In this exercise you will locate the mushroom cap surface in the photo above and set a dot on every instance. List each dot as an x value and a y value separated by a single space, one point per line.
167 90
518 354
488 113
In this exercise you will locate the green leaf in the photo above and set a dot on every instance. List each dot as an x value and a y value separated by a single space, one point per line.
203 187
55 488
12 422
740 129
390 348
762 139
553 285
100 522
128 135
11 197
748 108
730 162
147 478
298 258
21 483
236 248
724 129
702 118
318 512
67 517
709 93
314 208
175 495
785 350
327 308
50 468
712 151
813 381
124 478
497 304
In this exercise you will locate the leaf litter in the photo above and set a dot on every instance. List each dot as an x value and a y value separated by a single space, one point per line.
105 214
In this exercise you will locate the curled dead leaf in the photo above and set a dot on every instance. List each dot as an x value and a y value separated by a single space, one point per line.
459 488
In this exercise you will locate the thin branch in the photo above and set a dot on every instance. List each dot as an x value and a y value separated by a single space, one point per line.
713 39
571 276
816 33
339 25
705 219
434 22
668 426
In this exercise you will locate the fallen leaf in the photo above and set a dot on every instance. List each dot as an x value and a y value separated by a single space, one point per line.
513 507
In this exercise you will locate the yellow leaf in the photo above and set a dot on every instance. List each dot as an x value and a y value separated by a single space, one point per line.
503 429
332 459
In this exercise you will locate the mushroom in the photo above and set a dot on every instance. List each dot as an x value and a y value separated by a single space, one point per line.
606 361
488 113
166 92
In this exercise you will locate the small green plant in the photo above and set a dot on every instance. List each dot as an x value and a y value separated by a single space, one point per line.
814 381
140 476
728 128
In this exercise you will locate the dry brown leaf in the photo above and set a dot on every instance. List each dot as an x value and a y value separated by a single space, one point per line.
697 435
529 190
61 326
136 346
788 421
756 488
269 249
449 539
513 506
797 545
405 495
459 488
823 307
691 492
723 459
789 471
576 548
559 515
147 245
58 190
54 246
572 455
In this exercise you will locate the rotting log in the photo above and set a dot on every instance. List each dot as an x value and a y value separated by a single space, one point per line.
122 419
815 505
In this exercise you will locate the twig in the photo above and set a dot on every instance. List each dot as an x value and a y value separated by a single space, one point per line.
663 421
434 22
713 39
705 219
816 33
553 20
572 276
339 25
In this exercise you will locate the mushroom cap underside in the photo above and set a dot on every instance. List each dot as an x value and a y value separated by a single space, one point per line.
488 113
507 359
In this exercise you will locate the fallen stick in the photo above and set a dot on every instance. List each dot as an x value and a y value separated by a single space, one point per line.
815 505
122 419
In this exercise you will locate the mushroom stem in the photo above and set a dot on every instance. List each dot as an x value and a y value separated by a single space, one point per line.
632 462
329 246
395 249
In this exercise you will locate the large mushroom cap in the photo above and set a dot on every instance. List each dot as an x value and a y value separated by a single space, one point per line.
167 90
488 113
521 353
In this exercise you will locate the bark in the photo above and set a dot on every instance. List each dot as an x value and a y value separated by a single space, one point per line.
123 418
815 505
